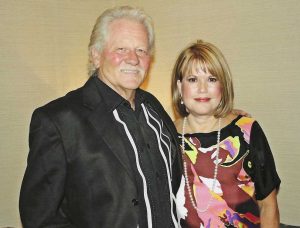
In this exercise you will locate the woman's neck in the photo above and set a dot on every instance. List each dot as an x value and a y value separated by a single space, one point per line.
202 124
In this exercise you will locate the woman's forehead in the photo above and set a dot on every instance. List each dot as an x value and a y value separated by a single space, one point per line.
196 66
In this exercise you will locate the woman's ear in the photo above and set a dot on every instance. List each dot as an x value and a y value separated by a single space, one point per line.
179 84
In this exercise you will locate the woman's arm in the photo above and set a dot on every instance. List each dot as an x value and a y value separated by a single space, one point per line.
269 212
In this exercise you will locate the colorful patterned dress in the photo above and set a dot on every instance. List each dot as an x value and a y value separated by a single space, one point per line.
246 173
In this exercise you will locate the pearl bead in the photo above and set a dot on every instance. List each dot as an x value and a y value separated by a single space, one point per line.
186 173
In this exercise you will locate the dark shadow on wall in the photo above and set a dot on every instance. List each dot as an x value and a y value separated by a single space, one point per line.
288 226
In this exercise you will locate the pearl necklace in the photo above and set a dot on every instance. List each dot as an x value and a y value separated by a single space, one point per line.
185 168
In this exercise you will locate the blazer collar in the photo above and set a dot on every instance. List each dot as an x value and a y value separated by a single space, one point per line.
95 92
103 121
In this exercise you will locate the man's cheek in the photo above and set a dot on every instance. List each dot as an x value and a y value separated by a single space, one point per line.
146 63
116 59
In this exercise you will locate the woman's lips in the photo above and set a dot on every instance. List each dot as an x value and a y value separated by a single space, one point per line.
202 99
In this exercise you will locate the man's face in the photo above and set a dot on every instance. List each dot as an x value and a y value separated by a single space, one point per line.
125 59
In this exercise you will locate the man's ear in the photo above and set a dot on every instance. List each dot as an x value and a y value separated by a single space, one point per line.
96 57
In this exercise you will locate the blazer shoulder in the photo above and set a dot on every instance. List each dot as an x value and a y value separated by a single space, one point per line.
62 104
76 103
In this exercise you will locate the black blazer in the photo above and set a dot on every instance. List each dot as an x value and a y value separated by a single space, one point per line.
77 174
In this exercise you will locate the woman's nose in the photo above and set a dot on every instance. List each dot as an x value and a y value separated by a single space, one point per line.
202 86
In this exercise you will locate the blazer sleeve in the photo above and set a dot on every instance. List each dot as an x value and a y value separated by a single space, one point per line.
42 190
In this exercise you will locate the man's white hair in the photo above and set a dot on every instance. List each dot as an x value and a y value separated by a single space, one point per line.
99 34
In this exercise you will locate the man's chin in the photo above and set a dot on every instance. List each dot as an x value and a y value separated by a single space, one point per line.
133 87
133 84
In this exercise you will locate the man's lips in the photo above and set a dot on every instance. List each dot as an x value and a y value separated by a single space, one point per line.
202 99
129 71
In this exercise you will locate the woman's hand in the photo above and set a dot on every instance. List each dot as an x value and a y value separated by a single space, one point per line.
241 112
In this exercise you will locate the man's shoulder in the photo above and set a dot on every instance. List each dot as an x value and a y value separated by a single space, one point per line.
149 97
153 102
62 104
62 101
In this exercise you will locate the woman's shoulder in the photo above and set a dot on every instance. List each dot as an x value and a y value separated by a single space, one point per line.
242 122
229 119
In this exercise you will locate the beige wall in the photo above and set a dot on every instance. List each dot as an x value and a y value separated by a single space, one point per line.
43 55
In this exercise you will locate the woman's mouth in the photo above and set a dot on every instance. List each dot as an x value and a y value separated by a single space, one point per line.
202 99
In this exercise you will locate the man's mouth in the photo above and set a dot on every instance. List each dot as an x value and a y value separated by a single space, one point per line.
129 71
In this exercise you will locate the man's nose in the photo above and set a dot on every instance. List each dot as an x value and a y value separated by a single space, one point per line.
132 58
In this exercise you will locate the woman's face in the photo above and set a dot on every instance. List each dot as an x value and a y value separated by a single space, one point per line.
201 92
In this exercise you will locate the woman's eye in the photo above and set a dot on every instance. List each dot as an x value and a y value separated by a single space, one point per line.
191 79
212 79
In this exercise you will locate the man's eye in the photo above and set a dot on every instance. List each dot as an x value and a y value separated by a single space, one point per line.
141 52
121 50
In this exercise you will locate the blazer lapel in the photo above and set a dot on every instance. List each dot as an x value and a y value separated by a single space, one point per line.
103 121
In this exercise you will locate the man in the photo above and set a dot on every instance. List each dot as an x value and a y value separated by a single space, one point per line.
105 155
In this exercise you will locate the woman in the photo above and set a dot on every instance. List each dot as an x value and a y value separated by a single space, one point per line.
230 179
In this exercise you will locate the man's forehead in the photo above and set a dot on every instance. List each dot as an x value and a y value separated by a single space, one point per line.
126 22
127 31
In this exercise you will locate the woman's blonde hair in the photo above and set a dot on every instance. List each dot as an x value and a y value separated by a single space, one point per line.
211 59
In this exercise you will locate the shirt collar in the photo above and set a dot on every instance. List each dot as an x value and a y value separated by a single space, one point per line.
112 99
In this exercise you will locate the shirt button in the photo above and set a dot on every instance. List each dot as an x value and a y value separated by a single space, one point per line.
157 175
135 202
